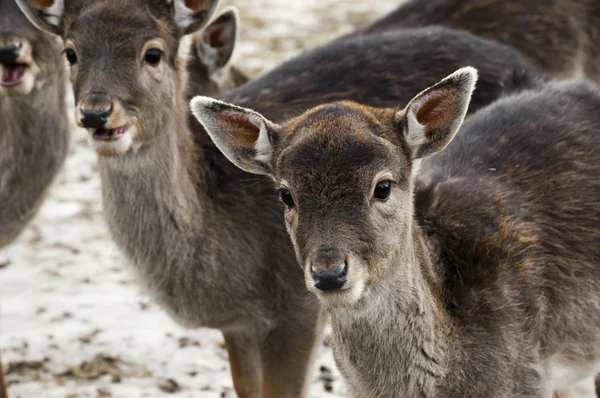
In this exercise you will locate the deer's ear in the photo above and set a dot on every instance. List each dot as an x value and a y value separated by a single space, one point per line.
216 43
192 15
46 15
432 119
244 136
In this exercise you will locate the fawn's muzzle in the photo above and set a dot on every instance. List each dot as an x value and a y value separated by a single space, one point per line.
95 111
330 280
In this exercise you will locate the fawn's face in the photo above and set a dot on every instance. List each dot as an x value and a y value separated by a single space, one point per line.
344 173
125 72
28 56
346 185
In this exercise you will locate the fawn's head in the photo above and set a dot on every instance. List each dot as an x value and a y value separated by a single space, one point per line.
125 68
345 174
28 56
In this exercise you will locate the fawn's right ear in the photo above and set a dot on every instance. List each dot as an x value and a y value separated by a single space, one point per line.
432 118
244 136
46 15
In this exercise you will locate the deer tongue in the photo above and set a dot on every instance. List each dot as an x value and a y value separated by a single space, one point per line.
12 74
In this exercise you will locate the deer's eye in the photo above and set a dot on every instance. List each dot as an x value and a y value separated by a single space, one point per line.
153 56
286 197
71 56
383 190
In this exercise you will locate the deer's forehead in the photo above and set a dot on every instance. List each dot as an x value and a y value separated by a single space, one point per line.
323 159
124 25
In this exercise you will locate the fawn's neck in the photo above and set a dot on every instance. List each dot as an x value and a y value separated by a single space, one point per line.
397 337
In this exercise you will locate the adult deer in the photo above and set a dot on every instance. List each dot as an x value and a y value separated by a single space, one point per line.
191 223
476 274
561 37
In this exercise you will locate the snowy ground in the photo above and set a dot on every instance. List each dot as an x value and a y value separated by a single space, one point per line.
73 321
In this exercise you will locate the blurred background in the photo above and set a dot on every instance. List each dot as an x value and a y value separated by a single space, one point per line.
74 322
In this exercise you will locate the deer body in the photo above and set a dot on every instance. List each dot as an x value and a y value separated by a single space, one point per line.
560 37
33 120
471 273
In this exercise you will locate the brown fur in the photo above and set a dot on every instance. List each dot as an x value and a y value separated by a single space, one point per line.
179 210
33 123
561 37
480 275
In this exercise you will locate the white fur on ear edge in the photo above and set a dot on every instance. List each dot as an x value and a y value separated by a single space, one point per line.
201 106
55 12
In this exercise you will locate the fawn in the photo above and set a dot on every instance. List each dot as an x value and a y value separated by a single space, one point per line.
473 273
561 37
34 132
190 222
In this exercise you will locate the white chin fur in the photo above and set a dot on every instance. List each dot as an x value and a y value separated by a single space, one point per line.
346 298
113 148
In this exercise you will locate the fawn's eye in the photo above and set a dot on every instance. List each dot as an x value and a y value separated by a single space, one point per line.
71 56
383 190
153 56
286 197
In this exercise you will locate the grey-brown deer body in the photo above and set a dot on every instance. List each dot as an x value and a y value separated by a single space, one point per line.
376 69
207 239
561 37
476 274
33 118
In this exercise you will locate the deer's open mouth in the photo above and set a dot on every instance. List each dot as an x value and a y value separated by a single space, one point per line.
109 134
12 74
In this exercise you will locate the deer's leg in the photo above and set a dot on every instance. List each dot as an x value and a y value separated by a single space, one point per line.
287 356
244 359
3 388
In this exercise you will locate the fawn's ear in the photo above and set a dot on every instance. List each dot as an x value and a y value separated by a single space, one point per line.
216 43
191 15
245 137
432 118
46 15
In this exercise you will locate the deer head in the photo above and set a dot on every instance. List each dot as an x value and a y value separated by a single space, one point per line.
345 174
27 55
125 71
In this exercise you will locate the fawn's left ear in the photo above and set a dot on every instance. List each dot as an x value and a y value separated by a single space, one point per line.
432 118
244 136
192 15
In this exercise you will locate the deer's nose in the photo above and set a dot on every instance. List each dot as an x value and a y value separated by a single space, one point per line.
95 111
10 54
330 279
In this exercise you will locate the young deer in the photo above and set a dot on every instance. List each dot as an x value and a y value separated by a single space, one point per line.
475 275
33 118
209 243
561 37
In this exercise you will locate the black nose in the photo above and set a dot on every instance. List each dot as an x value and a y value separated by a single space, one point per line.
330 280
95 118
10 54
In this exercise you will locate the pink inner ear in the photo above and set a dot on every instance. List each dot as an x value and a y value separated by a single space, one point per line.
41 4
198 5
243 132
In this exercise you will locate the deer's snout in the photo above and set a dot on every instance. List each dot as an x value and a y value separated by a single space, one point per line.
95 111
10 53
329 269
